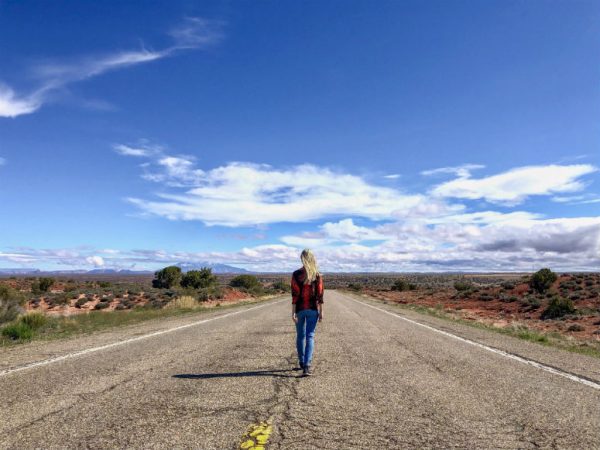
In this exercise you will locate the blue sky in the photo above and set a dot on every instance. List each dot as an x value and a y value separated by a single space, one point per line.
401 136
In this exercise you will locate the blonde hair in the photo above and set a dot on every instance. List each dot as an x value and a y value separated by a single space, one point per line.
310 265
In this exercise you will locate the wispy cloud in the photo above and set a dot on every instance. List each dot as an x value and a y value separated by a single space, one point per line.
127 150
192 33
514 186
463 170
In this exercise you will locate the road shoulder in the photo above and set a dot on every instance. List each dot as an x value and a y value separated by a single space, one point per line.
577 364
42 350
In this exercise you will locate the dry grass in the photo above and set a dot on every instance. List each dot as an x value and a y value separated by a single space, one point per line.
183 302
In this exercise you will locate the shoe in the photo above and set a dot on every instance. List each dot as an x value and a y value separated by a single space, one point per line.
307 371
299 367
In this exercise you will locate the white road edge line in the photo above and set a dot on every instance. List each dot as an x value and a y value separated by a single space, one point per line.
520 359
126 341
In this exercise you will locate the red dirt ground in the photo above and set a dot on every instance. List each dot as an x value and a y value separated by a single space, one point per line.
506 313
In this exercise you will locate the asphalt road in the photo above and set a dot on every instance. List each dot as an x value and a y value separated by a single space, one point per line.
380 382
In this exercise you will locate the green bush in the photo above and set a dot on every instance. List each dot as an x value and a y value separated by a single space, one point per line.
82 301
462 285
281 285
11 302
355 287
198 279
245 281
558 307
167 278
403 285
542 280
45 284
18 331
34 320
101 305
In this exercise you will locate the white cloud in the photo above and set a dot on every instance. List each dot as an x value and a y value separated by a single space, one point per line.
242 194
110 251
193 33
12 105
392 176
127 150
484 243
343 231
96 261
463 170
514 186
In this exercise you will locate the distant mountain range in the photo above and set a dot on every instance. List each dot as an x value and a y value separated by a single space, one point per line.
216 268
185 267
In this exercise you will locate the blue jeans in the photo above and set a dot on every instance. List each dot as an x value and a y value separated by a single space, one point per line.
305 335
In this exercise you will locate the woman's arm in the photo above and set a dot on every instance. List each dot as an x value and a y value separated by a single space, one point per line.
295 295
320 291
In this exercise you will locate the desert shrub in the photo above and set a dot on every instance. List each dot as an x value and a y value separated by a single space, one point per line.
508 285
197 279
355 286
61 299
45 284
183 302
486 297
11 302
558 307
34 320
575 297
82 301
576 327
531 302
101 305
403 285
542 280
167 278
464 294
245 281
104 284
156 303
281 285
462 285
69 288
507 298
18 331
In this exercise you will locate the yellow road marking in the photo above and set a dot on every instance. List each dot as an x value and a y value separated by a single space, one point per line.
257 436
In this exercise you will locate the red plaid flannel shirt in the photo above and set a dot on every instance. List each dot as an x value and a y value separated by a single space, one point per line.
303 293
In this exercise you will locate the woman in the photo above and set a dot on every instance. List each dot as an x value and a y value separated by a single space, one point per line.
307 307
